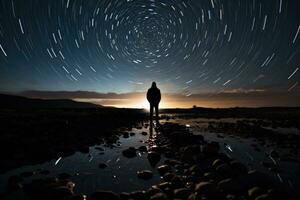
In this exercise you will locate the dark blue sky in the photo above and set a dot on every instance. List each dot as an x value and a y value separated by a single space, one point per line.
187 46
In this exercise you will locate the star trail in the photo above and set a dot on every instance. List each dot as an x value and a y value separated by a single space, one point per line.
186 46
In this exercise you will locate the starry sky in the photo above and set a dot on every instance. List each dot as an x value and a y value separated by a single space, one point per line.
187 46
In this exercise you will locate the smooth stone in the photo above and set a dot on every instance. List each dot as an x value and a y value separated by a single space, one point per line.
210 176
126 135
139 195
164 185
255 192
104 195
159 196
189 153
206 188
264 197
217 163
145 174
168 176
163 169
153 190
153 158
182 193
129 153
230 186
132 134
144 133
224 169
256 178
177 182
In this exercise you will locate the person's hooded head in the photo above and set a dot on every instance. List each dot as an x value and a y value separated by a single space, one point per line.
153 85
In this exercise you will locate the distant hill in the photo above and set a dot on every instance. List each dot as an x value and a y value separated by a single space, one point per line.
11 101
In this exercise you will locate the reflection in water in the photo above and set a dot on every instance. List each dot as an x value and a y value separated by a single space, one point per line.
119 176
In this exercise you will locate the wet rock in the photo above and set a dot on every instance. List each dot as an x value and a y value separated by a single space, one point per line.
224 170
217 163
156 148
143 149
177 182
206 188
173 162
230 186
153 158
163 169
145 174
256 178
164 185
104 195
189 153
210 176
159 196
168 176
153 190
264 197
125 135
102 166
129 153
49 189
139 195
144 133
132 134
181 193
125 195
255 192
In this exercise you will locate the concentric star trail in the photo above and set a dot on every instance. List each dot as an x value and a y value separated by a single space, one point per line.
187 46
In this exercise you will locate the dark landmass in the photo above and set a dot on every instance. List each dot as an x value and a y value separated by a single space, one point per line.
280 113
34 131
10 101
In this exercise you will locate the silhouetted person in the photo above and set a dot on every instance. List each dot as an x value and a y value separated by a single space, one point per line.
153 96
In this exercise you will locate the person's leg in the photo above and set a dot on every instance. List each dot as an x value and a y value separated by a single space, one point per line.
151 114
156 114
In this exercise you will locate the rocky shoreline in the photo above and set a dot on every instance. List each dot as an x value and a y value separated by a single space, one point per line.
193 169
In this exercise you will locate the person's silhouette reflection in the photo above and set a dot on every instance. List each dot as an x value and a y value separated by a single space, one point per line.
150 131
153 97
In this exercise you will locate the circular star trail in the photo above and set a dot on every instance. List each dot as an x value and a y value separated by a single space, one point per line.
187 46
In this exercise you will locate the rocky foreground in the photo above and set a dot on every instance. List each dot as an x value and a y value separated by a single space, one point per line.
194 169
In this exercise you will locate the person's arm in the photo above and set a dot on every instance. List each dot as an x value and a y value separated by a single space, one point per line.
148 96
159 96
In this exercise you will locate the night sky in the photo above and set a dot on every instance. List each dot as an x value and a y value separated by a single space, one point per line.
186 46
